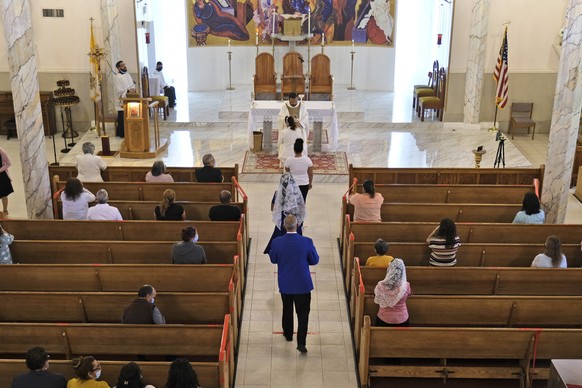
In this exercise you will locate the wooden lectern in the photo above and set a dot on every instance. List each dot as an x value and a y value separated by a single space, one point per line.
137 130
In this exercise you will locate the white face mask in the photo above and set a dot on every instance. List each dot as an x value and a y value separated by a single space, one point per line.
195 239
153 300
98 374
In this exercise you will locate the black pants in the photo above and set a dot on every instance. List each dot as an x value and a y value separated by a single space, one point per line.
170 92
304 190
120 132
302 307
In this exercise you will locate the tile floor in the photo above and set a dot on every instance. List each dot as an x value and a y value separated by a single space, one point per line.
376 129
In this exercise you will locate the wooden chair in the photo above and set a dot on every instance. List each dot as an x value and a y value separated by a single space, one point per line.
321 80
521 118
436 103
292 80
163 101
106 117
265 78
430 88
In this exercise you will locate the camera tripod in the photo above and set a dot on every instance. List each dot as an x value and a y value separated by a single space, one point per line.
500 156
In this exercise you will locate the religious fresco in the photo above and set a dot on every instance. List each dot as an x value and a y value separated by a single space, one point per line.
251 22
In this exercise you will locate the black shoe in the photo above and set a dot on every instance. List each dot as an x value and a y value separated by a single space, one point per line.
289 338
302 348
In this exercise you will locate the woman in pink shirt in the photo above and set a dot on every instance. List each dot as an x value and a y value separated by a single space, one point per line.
391 294
367 205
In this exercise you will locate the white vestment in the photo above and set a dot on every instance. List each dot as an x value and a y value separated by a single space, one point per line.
303 118
123 84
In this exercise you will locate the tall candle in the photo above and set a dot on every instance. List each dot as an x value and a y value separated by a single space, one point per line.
257 37
274 17
229 45
308 21
323 39
352 45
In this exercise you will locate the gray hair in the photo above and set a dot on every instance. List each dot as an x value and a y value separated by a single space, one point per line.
102 196
290 223
88 147
208 160
158 168
225 196
381 247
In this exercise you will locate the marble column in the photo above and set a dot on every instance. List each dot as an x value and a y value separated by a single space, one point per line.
112 45
25 94
565 118
475 61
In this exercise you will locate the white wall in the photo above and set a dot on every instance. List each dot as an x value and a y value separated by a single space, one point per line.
208 66
531 35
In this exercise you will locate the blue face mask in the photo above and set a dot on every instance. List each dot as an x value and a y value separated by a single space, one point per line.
195 239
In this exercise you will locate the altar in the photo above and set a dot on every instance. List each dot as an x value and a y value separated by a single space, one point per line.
265 113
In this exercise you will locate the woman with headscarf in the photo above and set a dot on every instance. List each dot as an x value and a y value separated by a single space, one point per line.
391 294
287 137
286 200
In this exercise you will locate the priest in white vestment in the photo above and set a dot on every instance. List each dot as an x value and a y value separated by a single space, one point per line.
297 109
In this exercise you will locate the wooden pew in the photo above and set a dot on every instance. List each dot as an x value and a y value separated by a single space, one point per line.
431 352
119 231
469 232
434 212
450 176
107 307
480 311
112 252
470 254
144 210
155 373
479 280
138 173
411 193
210 343
141 191
124 278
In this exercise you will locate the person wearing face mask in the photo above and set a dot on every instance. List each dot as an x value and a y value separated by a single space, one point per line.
143 310
123 84
88 371
187 251
166 89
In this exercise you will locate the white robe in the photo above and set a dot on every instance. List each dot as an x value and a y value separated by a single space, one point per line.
303 119
286 141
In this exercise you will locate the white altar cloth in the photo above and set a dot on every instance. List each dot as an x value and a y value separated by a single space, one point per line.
262 111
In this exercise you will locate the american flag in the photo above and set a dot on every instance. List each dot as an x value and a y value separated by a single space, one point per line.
500 74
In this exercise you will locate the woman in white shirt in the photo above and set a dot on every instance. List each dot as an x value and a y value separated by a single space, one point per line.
75 199
301 167
89 166
287 139
157 173
552 256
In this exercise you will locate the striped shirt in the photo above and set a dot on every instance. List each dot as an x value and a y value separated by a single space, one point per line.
441 255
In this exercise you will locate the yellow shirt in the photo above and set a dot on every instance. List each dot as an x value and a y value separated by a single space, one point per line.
78 383
379 261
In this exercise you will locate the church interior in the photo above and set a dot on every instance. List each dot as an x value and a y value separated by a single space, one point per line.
368 121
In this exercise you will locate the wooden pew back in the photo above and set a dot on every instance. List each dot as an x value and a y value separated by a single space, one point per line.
452 193
138 173
451 176
471 254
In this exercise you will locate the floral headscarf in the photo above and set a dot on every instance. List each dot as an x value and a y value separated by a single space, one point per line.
288 200
389 291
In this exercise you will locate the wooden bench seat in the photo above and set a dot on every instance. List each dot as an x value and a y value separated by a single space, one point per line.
452 193
417 347
138 173
155 373
212 343
450 176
